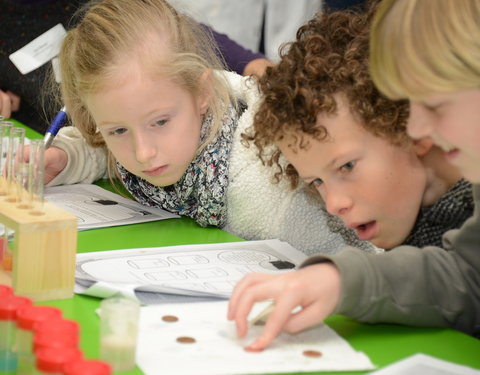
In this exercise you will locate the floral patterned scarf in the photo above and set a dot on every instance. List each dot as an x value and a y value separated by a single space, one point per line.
200 193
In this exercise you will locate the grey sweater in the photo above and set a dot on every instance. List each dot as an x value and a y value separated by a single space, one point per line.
419 287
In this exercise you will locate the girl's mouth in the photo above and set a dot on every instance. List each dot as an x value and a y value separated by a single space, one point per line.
156 171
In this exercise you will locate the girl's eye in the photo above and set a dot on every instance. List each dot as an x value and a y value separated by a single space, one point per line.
117 131
160 122
348 166
317 182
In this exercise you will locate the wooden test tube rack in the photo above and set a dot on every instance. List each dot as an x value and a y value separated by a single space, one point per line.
44 249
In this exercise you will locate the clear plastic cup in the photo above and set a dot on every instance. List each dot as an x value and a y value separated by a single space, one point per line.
118 332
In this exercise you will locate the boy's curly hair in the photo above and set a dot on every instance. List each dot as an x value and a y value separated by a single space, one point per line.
328 57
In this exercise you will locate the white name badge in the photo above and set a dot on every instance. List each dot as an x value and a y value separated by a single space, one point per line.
39 51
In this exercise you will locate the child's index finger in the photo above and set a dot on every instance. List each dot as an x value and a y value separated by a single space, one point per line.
279 314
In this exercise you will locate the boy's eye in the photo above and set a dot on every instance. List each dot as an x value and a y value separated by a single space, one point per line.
317 182
348 166
432 107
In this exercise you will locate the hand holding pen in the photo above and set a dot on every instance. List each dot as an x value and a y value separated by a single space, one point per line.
55 126
55 159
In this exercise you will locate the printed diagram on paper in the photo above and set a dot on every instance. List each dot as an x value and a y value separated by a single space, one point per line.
207 270
96 207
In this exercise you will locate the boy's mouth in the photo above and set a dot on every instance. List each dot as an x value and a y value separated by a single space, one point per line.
451 154
367 231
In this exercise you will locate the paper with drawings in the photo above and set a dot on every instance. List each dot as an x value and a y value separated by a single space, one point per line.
216 349
206 270
96 207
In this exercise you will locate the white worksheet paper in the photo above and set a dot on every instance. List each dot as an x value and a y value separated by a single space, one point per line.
96 207
422 364
217 351
205 270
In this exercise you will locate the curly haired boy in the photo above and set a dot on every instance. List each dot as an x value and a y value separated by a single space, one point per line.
340 135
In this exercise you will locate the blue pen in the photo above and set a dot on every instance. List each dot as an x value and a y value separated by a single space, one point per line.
55 126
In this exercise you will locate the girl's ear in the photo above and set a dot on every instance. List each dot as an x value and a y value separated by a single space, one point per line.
422 146
205 94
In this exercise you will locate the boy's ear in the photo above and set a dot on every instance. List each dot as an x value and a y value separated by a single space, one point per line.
205 94
422 146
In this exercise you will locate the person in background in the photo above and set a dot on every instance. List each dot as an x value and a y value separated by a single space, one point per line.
341 5
172 122
439 73
259 25
23 21
23 96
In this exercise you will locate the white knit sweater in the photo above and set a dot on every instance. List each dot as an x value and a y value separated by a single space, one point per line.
256 207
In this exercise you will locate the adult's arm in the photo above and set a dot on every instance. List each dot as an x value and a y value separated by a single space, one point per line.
238 58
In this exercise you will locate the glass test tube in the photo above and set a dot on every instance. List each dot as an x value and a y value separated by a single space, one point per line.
14 159
6 246
5 130
36 180
21 185
14 162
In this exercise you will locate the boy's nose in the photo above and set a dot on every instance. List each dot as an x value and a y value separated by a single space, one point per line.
337 203
419 123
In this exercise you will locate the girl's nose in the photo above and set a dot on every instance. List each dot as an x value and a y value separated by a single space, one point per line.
145 148
419 123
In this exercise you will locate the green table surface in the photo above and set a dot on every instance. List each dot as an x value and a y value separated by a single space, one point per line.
383 343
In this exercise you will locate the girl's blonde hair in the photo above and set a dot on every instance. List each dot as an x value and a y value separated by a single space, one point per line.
421 47
111 32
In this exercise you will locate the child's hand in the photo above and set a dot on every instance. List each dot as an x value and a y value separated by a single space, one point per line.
55 160
315 288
